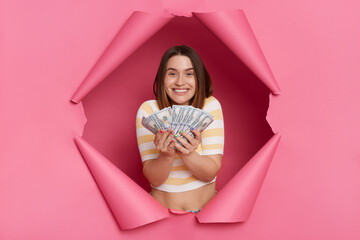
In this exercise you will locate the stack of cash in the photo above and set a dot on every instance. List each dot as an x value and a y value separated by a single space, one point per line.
178 118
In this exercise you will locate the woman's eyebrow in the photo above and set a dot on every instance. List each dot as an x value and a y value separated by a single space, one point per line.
176 69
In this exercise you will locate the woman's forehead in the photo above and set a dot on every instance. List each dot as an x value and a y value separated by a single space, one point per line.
179 62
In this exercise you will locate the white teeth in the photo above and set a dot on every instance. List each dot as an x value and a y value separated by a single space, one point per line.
180 90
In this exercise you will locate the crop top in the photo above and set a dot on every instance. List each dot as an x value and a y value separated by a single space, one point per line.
181 178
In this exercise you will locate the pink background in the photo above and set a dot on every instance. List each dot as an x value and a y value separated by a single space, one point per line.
312 187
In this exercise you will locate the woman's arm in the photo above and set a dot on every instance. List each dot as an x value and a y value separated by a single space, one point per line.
157 170
204 167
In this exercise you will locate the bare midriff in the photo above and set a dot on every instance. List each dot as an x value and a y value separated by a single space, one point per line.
186 201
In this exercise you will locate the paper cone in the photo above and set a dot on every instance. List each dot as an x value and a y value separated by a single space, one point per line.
137 30
131 205
236 200
233 29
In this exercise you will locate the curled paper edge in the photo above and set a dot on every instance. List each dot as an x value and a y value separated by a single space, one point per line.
236 200
131 205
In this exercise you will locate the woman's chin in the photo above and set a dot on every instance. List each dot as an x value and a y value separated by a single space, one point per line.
180 101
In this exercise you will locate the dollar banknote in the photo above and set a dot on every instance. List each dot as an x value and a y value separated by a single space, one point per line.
178 118
150 124
163 117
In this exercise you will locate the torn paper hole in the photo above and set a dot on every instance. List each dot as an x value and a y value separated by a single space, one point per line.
112 105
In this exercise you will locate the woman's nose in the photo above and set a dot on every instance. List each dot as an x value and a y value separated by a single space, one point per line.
180 80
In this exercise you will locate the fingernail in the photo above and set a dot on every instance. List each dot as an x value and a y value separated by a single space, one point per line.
173 140
176 135
182 131
161 131
192 128
168 129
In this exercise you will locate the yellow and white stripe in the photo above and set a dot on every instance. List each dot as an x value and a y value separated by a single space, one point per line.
213 136
181 178
145 138
175 185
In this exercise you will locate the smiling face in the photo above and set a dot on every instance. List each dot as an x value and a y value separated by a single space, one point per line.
180 80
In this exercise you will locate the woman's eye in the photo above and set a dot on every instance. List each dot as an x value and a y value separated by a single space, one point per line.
189 74
172 74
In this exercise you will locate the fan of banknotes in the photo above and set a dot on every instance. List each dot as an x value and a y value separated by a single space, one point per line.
178 118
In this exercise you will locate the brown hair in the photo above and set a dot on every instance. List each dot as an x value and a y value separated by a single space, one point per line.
204 87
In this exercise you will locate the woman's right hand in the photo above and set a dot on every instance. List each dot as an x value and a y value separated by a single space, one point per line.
164 142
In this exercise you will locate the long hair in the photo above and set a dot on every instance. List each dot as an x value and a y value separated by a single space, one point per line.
204 87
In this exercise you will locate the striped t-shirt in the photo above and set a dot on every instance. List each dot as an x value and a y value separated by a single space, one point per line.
181 178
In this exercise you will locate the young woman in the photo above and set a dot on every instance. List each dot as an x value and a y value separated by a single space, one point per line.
182 177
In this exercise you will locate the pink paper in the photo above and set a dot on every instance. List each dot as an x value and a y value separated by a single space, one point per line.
130 204
233 29
226 20
312 187
236 200
139 27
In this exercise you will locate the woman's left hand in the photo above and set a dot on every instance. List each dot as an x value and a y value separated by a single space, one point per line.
188 147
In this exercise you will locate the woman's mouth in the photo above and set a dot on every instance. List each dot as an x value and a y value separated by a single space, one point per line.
180 91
